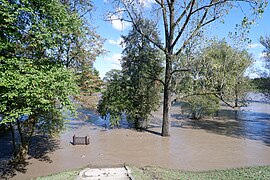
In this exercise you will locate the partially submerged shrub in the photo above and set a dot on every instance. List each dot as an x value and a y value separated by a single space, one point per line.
198 106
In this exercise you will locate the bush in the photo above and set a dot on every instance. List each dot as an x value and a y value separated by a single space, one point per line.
200 105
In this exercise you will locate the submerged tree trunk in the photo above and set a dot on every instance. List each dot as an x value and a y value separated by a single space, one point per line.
13 136
166 112
167 98
25 139
236 96
22 152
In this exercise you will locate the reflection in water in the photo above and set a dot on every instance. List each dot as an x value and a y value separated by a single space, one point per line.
256 125
252 122
86 116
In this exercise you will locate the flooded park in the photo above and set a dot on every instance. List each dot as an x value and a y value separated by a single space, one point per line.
230 140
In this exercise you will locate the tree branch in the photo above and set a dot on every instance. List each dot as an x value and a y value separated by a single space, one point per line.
182 15
179 70
209 5
165 23
155 79
200 25
200 94
132 20
185 24
221 98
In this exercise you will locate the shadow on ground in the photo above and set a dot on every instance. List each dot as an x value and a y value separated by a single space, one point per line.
87 116
41 147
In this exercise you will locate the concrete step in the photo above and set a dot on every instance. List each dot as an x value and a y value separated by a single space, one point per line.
121 173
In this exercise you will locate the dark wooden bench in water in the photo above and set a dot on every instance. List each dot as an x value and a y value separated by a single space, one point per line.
81 140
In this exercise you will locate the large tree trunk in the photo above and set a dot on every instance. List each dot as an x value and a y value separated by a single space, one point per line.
25 139
13 136
22 152
167 98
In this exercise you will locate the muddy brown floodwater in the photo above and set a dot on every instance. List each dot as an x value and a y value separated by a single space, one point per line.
228 141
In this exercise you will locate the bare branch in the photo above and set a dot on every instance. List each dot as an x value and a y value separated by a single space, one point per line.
185 24
199 26
221 98
165 23
180 70
193 34
182 15
209 5
155 79
133 21
215 93
158 2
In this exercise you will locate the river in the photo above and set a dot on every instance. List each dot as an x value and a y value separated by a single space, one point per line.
227 141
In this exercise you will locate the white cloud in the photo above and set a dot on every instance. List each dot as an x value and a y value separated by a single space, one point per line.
146 3
255 45
116 42
253 75
262 55
117 21
116 66
114 59
120 25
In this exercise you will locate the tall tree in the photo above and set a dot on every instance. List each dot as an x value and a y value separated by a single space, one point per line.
181 21
35 86
139 88
218 72
222 69
81 46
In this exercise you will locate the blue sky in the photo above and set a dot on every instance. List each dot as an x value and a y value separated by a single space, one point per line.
112 33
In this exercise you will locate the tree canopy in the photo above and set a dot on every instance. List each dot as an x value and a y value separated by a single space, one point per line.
36 76
217 73
135 89
180 22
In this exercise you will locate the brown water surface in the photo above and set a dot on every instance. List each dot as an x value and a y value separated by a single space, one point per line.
225 142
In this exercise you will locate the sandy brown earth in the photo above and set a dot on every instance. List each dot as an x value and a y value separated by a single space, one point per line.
190 147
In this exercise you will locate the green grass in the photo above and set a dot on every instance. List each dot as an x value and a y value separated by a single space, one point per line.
149 173
157 173
66 175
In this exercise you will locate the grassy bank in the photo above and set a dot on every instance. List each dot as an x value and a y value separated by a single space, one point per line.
150 173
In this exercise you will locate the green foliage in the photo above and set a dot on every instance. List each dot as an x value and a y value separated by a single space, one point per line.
219 70
113 99
262 85
134 90
80 45
88 80
35 85
28 89
180 22
198 106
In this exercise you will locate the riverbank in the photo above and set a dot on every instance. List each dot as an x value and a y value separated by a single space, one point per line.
149 173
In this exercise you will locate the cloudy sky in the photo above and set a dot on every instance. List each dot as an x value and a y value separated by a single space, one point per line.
112 32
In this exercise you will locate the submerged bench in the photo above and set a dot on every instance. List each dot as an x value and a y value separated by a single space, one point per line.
81 140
